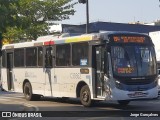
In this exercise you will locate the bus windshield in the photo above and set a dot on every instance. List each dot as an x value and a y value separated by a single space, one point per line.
133 61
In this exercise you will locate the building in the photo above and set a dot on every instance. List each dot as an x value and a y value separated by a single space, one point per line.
108 26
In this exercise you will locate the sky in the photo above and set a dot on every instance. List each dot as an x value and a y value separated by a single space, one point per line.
119 11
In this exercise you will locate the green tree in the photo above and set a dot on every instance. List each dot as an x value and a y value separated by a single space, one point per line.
6 14
30 17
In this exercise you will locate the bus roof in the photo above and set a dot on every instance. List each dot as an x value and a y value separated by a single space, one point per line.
51 40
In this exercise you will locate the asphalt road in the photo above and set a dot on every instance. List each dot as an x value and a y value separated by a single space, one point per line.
72 109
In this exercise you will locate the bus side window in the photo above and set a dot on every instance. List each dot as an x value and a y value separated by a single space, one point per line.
48 57
40 56
19 57
80 54
63 55
31 57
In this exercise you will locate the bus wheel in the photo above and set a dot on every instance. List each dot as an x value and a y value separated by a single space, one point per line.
123 102
28 91
85 96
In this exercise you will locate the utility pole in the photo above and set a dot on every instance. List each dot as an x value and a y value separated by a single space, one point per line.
87 13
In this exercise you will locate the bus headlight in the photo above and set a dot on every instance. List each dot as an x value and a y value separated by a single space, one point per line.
118 85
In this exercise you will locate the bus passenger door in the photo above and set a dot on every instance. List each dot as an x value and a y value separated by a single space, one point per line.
49 71
98 63
9 71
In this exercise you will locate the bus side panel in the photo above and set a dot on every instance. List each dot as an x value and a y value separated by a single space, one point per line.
35 76
67 80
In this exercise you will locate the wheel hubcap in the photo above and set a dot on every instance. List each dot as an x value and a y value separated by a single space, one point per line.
85 96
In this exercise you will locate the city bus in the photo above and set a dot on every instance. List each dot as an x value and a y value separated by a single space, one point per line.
106 66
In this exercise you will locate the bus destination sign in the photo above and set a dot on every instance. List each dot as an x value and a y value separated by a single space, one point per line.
129 39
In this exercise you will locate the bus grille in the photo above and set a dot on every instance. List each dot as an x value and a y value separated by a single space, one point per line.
137 82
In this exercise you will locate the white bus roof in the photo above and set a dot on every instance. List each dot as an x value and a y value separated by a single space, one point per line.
51 40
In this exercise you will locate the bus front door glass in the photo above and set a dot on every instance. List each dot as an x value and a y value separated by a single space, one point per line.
99 69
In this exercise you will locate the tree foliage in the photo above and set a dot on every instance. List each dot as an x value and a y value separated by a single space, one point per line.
26 19
6 14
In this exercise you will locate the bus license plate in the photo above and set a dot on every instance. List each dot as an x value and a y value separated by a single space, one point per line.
138 94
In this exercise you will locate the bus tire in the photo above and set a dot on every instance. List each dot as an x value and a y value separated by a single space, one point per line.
28 91
85 96
123 102
3 90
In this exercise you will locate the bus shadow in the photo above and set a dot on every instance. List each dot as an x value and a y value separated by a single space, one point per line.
96 104
61 100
